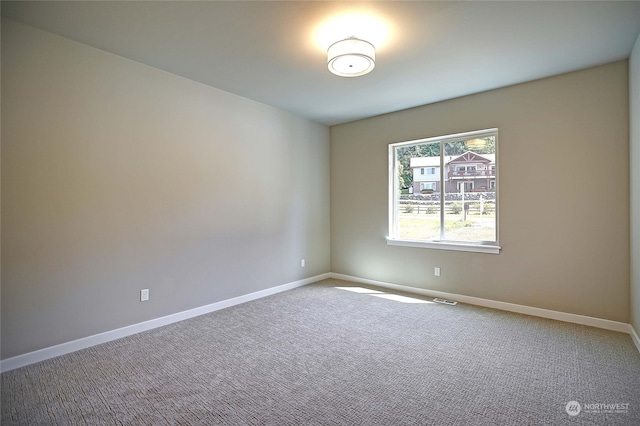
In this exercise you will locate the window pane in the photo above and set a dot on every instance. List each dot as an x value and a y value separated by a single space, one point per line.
419 201
469 190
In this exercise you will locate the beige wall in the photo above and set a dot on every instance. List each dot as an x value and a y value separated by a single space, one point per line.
564 195
634 114
117 176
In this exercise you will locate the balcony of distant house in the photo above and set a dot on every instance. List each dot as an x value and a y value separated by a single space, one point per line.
468 172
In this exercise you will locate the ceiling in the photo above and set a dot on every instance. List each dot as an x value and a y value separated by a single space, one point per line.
275 52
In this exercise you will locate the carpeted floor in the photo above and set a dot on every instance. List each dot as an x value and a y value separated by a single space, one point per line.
324 355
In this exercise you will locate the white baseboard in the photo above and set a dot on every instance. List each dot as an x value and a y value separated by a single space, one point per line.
634 337
504 306
75 345
96 339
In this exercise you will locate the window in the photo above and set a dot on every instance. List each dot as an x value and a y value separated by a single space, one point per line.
465 187
428 186
459 210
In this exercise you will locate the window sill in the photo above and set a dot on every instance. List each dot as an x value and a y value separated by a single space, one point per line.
438 245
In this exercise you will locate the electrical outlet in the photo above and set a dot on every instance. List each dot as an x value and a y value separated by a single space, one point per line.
302 263
144 295
436 271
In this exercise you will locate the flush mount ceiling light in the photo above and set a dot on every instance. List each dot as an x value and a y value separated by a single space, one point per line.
351 57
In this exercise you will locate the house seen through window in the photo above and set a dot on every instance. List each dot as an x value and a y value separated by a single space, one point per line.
443 192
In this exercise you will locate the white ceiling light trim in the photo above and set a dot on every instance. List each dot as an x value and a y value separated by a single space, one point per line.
351 57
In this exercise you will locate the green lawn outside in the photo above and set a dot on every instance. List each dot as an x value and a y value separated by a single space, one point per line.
427 227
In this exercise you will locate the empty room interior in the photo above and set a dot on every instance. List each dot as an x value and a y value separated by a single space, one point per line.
345 213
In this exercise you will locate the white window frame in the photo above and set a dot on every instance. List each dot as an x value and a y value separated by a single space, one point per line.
492 247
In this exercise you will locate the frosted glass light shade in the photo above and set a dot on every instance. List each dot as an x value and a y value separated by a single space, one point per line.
351 57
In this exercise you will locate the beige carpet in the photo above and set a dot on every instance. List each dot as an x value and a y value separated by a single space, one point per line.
322 355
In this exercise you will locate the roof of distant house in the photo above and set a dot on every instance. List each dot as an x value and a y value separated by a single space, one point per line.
435 161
